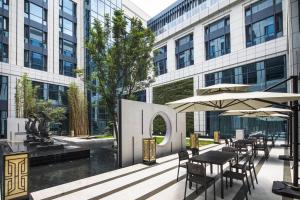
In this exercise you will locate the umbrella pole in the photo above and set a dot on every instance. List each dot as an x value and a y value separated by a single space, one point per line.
290 135
295 109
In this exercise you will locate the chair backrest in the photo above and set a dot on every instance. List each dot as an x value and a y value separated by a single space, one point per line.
231 140
244 165
195 170
228 149
240 144
195 151
226 142
183 155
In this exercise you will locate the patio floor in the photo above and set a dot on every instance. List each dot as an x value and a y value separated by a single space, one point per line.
159 181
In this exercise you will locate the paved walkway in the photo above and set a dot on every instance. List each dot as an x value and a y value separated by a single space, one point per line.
159 182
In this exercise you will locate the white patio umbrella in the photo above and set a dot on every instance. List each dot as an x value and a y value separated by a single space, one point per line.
223 88
259 112
232 101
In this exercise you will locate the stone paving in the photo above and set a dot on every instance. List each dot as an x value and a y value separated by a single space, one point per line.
159 182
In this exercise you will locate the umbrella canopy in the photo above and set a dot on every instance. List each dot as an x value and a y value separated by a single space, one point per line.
259 112
232 101
223 88
275 117
266 117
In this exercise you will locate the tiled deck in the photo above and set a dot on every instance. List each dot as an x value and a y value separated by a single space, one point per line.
159 182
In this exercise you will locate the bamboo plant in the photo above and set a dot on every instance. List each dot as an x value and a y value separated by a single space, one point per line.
78 112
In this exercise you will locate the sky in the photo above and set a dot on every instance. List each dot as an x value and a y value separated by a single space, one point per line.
153 7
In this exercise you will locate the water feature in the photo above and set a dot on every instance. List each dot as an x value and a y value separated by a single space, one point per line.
102 159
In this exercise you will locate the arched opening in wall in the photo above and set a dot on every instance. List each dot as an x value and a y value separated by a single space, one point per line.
159 129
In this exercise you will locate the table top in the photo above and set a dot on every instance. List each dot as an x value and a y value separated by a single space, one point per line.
214 157
246 141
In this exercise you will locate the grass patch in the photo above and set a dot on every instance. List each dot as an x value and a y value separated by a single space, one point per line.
103 136
159 139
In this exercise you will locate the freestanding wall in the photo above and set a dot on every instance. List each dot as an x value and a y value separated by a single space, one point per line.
136 120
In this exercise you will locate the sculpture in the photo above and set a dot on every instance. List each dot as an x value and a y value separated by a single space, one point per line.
38 134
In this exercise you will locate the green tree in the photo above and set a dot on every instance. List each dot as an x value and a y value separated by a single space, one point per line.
122 60
27 103
55 114
25 97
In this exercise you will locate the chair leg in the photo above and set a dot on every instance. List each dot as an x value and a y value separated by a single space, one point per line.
251 178
255 175
185 188
178 172
248 184
226 183
214 190
245 189
205 192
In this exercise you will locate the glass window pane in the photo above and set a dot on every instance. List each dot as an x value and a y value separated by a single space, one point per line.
67 27
36 37
36 13
36 60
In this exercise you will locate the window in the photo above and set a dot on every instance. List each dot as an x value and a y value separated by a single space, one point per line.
68 7
35 37
35 60
67 48
67 68
275 69
262 29
66 26
217 45
35 13
258 74
4 25
185 51
3 52
4 4
3 88
39 89
53 92
160 60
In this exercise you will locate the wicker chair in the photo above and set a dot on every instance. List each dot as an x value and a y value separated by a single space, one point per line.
183 155
197 174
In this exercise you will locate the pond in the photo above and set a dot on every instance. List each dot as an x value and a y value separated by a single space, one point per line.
102 159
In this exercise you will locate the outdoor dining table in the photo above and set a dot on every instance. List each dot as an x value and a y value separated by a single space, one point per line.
217 158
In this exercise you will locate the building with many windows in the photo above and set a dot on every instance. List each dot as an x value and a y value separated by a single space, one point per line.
205 42
45 39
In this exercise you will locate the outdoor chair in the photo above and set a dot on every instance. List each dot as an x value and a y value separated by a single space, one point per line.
183 155
230 149
226 142
241 146
197 174
195 151
239 176
249 167
231 142
261 145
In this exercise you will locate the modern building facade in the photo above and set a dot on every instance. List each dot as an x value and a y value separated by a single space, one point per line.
45 39
205 42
